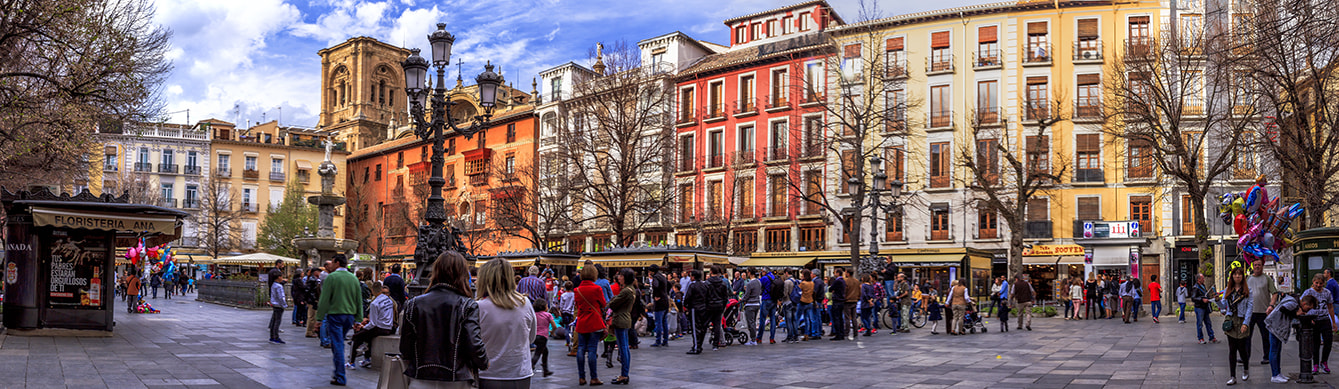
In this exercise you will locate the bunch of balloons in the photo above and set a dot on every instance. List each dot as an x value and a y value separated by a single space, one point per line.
144 307
1261 223
161 257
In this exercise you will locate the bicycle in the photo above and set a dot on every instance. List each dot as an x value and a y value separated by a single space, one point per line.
918 318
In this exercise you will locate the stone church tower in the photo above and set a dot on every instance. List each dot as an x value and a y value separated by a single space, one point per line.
362 90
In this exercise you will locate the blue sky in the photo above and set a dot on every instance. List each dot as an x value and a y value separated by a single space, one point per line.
258 57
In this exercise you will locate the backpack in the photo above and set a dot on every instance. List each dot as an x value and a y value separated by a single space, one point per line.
717 295
778 289
795 293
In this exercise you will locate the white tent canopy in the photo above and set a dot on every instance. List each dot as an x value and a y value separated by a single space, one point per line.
253 259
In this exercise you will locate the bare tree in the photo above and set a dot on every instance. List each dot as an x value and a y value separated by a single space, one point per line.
1289 50
363 223
1005 176
65 66
1176 105
863 97
530 204
142 188
216 221
616 141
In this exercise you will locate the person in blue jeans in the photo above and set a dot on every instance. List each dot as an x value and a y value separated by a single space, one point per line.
1182 293
815 315
341 305
1200 296
1279 323
767 310
660 289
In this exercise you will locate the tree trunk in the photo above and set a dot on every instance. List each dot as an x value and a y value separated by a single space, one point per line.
1016 253
853 236
1202 232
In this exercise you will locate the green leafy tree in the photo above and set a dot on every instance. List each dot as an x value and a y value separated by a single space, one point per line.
293 217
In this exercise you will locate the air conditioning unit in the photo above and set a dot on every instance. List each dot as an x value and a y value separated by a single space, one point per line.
1088 54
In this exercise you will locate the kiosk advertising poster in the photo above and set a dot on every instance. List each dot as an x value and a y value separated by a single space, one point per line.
75 271
1134 262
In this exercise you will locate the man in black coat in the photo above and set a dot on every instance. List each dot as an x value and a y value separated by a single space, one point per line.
300 300
660 301
838 302
718 296
695 299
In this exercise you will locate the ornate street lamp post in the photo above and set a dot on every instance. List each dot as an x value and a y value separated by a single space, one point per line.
894 191
435 237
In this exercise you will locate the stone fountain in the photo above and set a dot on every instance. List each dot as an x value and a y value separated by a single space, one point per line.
324 245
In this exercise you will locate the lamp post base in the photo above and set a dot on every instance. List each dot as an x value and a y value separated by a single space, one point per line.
433 240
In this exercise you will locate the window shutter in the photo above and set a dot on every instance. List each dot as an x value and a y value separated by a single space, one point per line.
1036 80
1038 209
1036 28
939 40
895 44
1090 208
987 34
1088 142
1038 143
109 150
853 51
1088 28
1139 20
1089 79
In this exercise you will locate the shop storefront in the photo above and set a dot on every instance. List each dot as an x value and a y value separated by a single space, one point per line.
673 259
1116 248
59 258
1314 251
937 267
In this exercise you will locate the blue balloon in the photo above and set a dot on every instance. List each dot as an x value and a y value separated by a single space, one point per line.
1253 200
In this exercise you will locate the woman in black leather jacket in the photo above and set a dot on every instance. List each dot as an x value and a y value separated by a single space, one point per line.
440 339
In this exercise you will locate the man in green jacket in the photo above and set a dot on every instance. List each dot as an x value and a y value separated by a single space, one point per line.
340 306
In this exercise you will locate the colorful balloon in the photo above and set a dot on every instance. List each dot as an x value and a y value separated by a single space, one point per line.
1239 224
1238 206
1267 239
1253 200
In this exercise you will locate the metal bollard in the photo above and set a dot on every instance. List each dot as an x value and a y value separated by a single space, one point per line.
1305 340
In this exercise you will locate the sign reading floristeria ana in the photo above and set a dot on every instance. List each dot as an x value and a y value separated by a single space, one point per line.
100 221
1050 250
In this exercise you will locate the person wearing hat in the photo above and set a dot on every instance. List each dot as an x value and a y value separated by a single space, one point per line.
532 286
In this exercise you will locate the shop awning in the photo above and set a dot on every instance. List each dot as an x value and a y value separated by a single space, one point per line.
256 259
627 260
559 261
91 220
516 263
681 257
778 261
304 165
929 260
713 259
1054 259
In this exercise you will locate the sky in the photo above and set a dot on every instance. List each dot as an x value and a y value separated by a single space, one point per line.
251 61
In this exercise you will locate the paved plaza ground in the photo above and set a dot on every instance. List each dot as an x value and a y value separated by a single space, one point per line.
194 344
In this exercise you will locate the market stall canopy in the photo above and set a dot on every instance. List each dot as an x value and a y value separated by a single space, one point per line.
254 259
516 263
627 260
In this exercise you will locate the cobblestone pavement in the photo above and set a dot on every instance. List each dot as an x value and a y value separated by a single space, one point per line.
194 344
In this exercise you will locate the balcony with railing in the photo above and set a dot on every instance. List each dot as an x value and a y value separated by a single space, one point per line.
190 203
192 170
1089 175
813 98
167 203
940 120
1036 110
143 166
939 181
170 168
479 180
745 158
1038 54
1037 229
813 245
686 164
1139 48
714 112
896 69
168 132
1088 109
277 176
987 116
778 153
251 174
777 102
986 59
685 118
1088 51
222 172
939 65
811 151
247 207
715 161
745 107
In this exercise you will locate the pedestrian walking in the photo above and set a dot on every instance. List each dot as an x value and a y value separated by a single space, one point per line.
1264 294
816 309
443 315
155 281
695 300
1280 322
380 321
959 301
849 310
1076 298
772 290
622 307
1237 311
1155 297
1004 314
341 305
1324 327
904 300
1023 296
277 304
1200 296
299 299
532 286
591 326
1182 294
660 302
718 295
837 308
867 297
1093 307
395 283
132 291
543 321
507 324
995 295
790 307
936 311
313 289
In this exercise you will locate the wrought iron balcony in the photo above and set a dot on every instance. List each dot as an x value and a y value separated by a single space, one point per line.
193 170
143 166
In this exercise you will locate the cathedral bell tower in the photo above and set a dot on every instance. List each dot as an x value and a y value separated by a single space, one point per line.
362 90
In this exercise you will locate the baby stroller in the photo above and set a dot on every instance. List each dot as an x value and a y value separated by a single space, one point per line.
972 320
730 323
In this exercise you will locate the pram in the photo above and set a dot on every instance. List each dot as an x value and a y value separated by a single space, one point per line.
730 323
972 320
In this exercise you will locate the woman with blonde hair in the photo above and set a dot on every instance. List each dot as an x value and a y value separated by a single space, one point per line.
507 319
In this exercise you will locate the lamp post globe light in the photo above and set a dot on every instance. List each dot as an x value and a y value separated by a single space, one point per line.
435 237
880 187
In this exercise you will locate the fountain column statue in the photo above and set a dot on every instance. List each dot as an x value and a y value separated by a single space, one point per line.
325 245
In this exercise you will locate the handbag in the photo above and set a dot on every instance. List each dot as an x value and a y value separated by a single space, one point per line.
392 373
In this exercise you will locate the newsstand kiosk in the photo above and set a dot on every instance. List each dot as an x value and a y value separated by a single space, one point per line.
59 260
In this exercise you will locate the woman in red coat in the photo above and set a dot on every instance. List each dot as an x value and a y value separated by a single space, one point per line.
590 326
